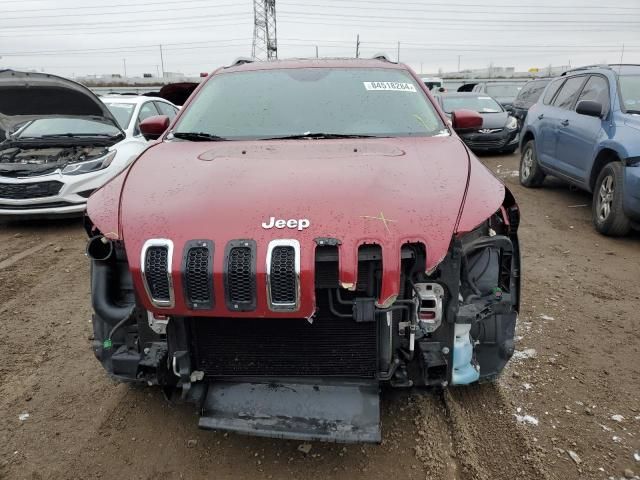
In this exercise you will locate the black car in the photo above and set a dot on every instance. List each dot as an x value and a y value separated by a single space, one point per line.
529 95
503 92
499 132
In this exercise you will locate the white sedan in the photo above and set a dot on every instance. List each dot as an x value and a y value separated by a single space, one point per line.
130 110
59 142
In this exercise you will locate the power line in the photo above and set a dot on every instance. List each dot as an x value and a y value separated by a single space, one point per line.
147 21
376 5
166 26
304 15
482 21
66 15
464 9
440 25
124 49
108 7
448 44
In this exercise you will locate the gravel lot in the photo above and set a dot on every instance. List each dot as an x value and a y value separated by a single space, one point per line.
567 407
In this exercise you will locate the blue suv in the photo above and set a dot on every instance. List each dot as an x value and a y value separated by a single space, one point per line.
585 129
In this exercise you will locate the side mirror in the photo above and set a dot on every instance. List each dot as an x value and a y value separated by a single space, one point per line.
152 128
463 120
587 107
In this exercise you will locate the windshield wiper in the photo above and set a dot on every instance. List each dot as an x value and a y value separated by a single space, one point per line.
199 137
72 135
637 112
67 135
320 135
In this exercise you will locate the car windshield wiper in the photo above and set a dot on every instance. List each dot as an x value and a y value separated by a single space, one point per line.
68 135
320 135
71 135
637 112
199 137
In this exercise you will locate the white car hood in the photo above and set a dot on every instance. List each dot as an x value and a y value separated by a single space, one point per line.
28 96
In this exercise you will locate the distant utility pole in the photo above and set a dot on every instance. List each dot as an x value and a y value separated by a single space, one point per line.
622 54
162 61
124 64
459 62
265 42
157 71
358 46
398 55
316 51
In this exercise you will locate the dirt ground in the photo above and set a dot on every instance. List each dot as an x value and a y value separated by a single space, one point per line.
567 407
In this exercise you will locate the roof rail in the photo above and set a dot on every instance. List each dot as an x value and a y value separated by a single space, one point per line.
624 64
382 57
240 61
587 67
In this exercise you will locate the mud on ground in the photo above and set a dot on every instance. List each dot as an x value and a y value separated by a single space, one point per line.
573 386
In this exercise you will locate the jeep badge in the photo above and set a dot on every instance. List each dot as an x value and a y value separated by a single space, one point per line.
300 224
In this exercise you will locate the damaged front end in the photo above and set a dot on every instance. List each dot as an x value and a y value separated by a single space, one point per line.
311 378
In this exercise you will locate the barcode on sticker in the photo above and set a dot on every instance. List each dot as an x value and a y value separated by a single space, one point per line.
394 86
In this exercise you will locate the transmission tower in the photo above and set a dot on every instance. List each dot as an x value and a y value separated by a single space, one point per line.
265 43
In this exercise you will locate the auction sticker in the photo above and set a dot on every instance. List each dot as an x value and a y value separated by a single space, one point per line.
393 86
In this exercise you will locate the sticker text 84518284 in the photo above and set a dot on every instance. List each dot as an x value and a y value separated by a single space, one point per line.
393 86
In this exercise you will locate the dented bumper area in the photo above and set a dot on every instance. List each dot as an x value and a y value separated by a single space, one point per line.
318 378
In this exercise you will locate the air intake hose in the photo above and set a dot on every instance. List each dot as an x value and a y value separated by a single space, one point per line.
103 268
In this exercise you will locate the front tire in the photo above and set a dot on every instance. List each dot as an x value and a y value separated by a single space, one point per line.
531 175
607 213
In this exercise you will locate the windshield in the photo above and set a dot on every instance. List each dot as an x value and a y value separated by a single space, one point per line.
480 104
67 127
122 112
288 102
630 92
503 90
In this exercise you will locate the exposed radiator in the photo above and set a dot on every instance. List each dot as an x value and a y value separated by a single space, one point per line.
329 347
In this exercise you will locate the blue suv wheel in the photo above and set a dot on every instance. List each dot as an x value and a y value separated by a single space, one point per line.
608 215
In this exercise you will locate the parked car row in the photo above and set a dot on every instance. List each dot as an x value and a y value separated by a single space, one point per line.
61 142
582 127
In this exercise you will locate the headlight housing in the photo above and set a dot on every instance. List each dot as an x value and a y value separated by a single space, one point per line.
89 166
512 123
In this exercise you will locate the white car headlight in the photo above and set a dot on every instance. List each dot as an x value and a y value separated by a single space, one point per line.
512 123
89 166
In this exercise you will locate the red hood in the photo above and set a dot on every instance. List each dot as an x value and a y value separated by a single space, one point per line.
225 191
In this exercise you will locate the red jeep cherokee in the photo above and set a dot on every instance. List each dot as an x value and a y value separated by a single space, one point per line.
303 234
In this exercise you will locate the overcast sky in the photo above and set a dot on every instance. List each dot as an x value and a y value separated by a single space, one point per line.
78 37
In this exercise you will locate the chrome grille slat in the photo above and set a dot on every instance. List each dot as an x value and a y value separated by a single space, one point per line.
155 263
283 275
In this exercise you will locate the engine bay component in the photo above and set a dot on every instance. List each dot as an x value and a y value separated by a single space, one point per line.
429 296
25 162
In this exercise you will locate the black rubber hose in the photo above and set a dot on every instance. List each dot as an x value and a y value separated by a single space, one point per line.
99 248
103 304
341 301
333 310
121 323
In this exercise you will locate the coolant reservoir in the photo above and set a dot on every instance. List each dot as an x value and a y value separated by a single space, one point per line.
464 371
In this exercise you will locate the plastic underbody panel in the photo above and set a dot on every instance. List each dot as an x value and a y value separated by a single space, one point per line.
334 412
